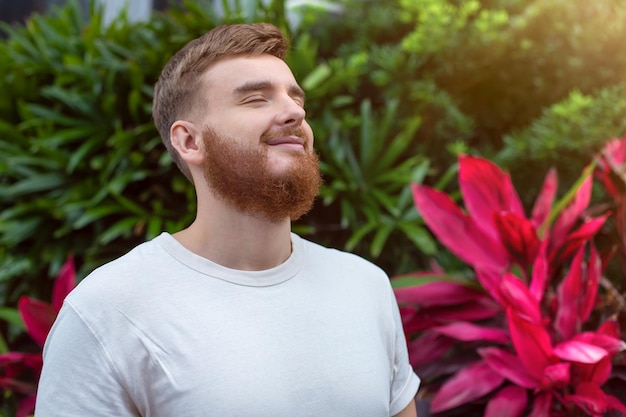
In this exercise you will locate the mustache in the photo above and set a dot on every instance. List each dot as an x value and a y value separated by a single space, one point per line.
284 132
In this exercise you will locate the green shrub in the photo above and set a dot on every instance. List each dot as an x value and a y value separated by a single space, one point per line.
565 135
84 170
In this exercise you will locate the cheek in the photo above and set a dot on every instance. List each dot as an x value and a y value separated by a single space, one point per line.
308 132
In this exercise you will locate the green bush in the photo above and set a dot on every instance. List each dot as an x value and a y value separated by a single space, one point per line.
84 170
565 135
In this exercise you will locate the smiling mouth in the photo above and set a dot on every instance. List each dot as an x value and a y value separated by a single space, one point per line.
292 142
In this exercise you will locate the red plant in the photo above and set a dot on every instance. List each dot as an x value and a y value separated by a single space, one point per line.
20 371
516 337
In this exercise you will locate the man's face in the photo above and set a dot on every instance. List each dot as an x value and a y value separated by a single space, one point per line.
259 148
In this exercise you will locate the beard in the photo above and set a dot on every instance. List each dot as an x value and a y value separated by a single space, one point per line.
242 177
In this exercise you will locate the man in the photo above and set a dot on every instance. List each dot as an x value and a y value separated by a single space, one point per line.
235 315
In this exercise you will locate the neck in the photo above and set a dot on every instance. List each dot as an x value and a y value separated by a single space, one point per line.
236 240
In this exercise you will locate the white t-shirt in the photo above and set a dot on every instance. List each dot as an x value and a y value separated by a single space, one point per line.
162 332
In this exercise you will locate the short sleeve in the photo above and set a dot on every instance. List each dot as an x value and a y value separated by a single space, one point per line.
405 382
77 379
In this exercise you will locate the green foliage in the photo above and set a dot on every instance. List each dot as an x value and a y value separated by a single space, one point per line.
503 61
413 82
565 135
367 169
84 170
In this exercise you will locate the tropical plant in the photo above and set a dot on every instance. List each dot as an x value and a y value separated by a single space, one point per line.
366 169
82 164
520 332
20 370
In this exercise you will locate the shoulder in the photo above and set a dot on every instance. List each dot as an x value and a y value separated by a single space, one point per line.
341 264
119 278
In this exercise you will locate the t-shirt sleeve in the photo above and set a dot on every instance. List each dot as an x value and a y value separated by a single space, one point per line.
405 382
78 379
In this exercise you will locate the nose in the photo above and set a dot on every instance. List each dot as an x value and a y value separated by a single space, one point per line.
292 112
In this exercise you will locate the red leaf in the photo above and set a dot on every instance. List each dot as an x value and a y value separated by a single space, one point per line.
458 232
490 281
590 285
532 344
614 403
541 405
580 237
572 212
540 277
509 366
428 317
613 157
610 327
515 295
64 283
436 293
470 332
543 203
597 373
468 384
37 316
510 401
557 375
32 361
26 406
608 342
577 351
590 398
487 190
519 237
428 347
567 321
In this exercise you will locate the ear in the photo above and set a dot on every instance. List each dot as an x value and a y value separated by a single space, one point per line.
186 138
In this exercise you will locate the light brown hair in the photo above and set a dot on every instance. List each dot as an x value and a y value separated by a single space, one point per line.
175 93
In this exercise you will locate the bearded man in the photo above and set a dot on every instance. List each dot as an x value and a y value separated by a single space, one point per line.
234 315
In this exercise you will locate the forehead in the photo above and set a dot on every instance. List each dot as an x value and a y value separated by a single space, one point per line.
229 75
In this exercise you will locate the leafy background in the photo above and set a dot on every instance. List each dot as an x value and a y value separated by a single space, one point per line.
396 91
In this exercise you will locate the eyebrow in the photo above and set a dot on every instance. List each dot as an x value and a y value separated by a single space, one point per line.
249 87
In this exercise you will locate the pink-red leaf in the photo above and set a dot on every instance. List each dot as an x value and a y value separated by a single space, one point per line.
543 203
572 212
557 375
532 344
608 342
468 384
519 237
590 285
590 398
597 373
487 190
580 237
577 351
510 401
429 346
541 405
567 319
436 293
540 277
425 318
615 403
458 232
26 406
509 366
37 316
468 332
64 283
515 295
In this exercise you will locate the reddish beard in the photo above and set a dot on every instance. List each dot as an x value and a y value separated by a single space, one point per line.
240 175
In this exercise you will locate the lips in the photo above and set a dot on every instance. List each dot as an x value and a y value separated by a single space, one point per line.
286 140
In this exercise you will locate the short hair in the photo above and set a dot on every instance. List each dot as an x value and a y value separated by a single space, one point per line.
175 90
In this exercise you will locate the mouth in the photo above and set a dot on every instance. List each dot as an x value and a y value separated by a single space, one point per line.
287 142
